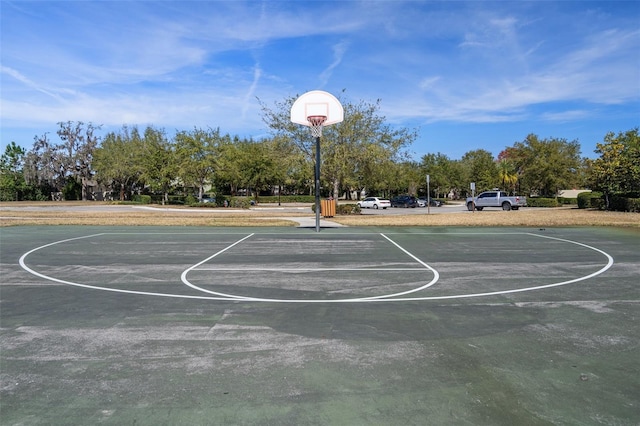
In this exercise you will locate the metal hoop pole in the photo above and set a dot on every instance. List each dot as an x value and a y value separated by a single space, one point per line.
316 122
317 176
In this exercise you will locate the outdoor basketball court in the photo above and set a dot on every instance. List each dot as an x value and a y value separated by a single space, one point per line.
168 325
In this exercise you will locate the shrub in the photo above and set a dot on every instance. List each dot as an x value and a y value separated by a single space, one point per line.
343 209
588 200
271 199
221 201
72 190
240 202
141 199
542 202
347 209
598 203
565 201
190 200
624 204
176 199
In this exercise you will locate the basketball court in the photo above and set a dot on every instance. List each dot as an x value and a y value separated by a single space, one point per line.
168 325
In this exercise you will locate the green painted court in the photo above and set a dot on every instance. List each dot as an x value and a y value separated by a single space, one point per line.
348 326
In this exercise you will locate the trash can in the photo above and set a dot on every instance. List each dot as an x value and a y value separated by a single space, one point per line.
328 208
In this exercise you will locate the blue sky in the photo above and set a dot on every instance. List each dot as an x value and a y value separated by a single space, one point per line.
465 75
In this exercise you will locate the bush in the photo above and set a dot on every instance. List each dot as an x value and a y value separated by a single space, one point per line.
542 202
240 202
72 190
634 205
588 200
598 203
176 199
343 209
347 209
190 200
624 204
567 201
141 199
273 199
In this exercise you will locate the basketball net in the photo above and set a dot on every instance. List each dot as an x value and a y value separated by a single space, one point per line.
316 122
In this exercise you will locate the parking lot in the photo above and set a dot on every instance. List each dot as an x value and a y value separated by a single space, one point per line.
446 208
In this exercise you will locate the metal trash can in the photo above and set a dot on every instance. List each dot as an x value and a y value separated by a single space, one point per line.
328 208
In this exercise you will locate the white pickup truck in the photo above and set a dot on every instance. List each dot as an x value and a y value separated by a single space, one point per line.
496 198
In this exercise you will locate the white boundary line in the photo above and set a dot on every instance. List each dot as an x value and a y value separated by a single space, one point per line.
609 258
359 299
519 290
183 276
115 290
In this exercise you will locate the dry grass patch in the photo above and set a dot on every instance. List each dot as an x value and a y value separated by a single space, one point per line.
541 217
15 218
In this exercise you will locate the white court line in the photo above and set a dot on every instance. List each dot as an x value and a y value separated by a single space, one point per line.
24 266
519 290
261 299
610 263
305 270
184 279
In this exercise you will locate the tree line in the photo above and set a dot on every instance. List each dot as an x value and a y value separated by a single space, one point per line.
362 155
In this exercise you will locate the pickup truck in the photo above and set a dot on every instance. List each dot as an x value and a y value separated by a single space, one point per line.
496 199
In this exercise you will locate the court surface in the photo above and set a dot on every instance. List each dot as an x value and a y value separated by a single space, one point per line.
348 326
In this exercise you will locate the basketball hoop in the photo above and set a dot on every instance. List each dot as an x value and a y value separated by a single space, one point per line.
316 109
316 122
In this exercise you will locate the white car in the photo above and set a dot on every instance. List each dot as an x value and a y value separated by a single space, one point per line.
374 202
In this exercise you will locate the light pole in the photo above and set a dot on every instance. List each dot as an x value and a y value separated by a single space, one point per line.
428 196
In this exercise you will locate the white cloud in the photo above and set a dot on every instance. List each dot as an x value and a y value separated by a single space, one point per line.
338 52
203 63
27 82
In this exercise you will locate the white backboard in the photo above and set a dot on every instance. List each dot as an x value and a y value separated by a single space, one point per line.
314 103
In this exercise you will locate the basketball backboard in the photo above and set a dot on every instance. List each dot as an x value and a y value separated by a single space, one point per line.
317 103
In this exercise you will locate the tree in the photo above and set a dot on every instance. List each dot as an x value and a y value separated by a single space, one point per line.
507 174
479 166
40 165
12 182
376 174
197 152
158 162
288 165
361 140
258 163
51 165
229 173
546 165
348 147
76 151
410 178
117 162
445 175
617 171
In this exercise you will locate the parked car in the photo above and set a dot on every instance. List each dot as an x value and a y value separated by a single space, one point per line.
422 202
404 201
374 202
496 198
